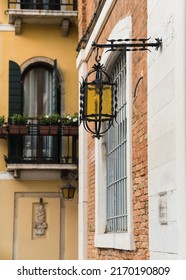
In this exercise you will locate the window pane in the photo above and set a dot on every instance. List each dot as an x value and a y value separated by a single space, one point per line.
39 99
31 93
116 141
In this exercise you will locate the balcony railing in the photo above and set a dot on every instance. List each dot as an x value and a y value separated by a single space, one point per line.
41 144
43 4
44 12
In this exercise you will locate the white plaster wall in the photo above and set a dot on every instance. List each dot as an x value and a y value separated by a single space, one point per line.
83 176
166 129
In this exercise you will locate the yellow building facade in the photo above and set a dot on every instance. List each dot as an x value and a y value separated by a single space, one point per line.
38 78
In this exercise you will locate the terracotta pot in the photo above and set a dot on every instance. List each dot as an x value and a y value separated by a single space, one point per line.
48 129
70 130
18 129
3 131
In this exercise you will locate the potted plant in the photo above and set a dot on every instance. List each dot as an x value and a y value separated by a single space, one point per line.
70 125
3 127
49 124
18 124
2 120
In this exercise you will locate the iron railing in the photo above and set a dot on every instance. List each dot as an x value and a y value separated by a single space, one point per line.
43 4
37 143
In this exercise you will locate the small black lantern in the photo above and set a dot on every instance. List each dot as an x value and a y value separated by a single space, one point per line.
68 191
98 100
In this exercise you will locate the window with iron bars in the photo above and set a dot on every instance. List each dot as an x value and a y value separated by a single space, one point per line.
116 156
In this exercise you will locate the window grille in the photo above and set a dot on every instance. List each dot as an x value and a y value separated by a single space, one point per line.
116 153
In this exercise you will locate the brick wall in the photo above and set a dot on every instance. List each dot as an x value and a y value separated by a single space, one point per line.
138 11
88 12
82 20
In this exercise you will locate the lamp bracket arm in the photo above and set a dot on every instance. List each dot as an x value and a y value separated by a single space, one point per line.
141 44
97 56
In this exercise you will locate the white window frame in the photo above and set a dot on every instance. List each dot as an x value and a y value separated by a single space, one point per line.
122 240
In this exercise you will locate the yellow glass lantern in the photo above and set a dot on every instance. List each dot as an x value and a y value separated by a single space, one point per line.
98 101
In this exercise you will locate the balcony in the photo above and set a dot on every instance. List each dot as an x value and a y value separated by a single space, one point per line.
55 12
45 147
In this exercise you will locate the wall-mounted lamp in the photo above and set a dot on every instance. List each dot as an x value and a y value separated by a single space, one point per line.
98 93
68 191
98 100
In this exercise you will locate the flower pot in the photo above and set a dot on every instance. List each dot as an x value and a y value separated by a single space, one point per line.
48 129
18 129
3 131
70 130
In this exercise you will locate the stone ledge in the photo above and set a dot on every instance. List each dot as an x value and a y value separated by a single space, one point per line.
29 166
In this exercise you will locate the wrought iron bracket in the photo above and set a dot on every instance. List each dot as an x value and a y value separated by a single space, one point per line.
129 44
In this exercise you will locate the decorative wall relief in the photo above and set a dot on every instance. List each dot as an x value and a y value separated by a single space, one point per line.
163 208
39 219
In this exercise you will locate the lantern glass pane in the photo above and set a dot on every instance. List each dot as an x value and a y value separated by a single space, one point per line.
93 102
65 193
107 102
68 192
71 193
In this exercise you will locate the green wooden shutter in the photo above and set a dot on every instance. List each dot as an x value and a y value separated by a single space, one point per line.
15 92
54 88
55 148
15 107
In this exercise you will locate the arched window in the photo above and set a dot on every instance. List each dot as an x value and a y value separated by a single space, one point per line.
39 92
113 174
35 92
116 156
40 97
